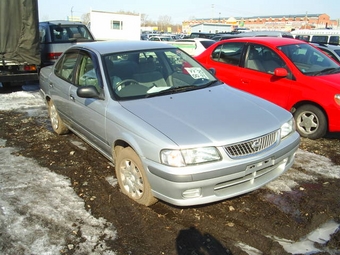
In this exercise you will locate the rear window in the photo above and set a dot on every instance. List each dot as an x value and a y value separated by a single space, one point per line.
319 39
207 44
334 39
69 33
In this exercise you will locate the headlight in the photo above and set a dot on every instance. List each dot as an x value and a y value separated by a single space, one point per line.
287 128
194 156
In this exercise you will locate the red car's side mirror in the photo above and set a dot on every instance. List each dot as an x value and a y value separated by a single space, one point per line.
280 72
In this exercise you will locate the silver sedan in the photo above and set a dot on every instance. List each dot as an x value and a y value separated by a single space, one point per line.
173 131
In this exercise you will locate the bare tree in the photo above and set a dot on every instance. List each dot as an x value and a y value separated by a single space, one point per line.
164 22
86 18
144 19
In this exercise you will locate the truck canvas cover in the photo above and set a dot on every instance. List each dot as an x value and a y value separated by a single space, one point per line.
19 31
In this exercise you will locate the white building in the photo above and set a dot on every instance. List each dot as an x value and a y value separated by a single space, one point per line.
113 26
211 28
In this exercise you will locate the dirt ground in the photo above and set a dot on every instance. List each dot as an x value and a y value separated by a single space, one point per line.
213 229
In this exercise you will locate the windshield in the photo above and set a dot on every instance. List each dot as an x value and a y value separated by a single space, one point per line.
309 60
149 73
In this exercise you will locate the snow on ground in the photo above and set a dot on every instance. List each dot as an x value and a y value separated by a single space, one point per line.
39 210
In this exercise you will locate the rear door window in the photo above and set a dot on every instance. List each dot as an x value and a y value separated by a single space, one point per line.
65 67
229 53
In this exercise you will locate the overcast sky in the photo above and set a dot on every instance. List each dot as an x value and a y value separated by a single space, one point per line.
180 10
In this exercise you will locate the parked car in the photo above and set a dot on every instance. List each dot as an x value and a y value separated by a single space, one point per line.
226 36
332 51
199 35
288 72
171 129
161 38
194 46
58 35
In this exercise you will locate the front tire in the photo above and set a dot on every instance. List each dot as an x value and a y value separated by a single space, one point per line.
132 178
311 122
57 124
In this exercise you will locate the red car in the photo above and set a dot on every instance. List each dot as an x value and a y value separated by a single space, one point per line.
288 72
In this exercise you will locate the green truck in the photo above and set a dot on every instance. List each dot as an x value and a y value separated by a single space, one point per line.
19 42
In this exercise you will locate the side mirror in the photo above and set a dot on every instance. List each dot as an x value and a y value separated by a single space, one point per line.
88 92
212 71
280 72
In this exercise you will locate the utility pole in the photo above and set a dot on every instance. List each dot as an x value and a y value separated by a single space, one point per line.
72 13
212 12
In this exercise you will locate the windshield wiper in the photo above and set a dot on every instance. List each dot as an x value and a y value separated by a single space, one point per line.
173 90
210 83
335 70
327 70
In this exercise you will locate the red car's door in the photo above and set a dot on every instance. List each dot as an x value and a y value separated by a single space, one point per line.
255 73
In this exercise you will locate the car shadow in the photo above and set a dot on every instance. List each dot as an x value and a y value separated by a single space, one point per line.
191 241
25 86
334 135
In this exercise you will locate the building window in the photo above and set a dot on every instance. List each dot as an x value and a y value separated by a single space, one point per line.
117 25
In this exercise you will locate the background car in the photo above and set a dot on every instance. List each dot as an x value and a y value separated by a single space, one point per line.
199 35
161 38
226 36
288 72
331 50
58 35
194 46
171 129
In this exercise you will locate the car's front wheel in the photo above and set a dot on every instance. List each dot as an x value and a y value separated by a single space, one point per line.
311 122
132 178
57 124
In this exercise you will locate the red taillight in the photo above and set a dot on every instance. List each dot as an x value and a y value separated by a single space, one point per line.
53 55
30 68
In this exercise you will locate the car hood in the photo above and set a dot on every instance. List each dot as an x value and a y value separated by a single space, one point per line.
219 114
330 79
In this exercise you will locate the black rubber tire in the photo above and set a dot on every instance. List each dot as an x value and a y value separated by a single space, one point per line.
132 178
311 121
57 124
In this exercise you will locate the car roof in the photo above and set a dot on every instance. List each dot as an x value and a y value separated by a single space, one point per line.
327 46
61 22
106 47
274 41
194 39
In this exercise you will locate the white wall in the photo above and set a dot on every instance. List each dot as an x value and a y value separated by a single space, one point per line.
100 26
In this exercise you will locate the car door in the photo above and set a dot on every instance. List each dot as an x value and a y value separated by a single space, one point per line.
226 60
250 67
89 113
258 75
60 83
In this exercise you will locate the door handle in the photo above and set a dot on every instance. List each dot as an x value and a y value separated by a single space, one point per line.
72 98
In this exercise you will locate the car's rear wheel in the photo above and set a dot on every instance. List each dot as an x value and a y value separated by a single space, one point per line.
311 122
57 124
132 178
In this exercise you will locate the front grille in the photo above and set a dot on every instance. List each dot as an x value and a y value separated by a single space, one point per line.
252 146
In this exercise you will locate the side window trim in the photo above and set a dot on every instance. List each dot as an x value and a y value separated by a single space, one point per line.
64 70
95 72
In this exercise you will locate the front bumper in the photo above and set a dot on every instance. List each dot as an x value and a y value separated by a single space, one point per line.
223 180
